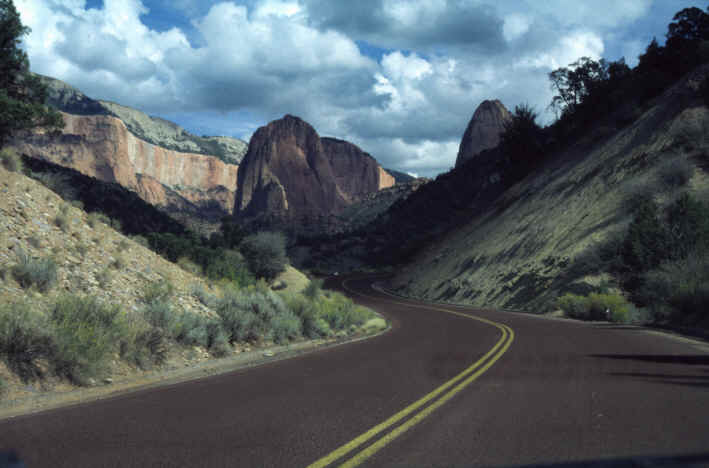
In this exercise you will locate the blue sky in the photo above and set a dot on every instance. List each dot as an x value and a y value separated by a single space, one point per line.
399 78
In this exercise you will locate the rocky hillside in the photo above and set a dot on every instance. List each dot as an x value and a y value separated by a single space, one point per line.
483 131
292 175
524 249
159 132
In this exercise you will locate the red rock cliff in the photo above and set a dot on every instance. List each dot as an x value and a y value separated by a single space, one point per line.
290 171
101 146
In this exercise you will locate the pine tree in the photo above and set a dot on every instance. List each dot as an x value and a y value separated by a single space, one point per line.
22 94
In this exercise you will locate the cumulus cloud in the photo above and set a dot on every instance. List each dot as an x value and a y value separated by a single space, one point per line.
237 64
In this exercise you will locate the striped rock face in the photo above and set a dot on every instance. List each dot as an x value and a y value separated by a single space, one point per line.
292 174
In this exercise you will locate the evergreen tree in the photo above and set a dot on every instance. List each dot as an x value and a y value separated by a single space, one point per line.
22 94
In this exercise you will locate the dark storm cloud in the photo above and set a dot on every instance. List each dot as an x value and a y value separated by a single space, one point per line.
412 26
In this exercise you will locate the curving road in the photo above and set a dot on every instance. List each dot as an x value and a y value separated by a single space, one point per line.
447 386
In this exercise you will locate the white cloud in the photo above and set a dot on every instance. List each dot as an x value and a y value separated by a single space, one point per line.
260 60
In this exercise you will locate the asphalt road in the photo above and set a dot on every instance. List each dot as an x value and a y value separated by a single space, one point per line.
439 389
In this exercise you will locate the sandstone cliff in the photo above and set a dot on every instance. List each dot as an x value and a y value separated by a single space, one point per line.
101 146
155 130
483 131
292 174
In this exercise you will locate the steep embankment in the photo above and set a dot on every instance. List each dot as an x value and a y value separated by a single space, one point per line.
292 178
522 250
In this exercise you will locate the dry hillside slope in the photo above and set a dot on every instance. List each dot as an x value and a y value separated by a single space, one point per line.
519 252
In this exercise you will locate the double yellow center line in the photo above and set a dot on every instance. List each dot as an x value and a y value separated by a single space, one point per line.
430 402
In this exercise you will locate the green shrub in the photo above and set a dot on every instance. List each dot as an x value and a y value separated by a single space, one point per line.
250 314
200 292
314 288
594 307
189 266
229 264
140 240
306 310
3 387
123 245
11 160
159 313
78 204
34 242
86 332
115 224
62 221
28 272
118 263
103 277
24 338
265 253
96 217
157 291
678 291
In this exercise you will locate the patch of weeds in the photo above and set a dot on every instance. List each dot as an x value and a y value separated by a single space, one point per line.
11 160
189 266
28 272
141 241
123 245
24 338
81 249
77 204
205 297
62 221
103 277
115 224
3 387
86 333
157 291
34 242
118 263
96 217
314 289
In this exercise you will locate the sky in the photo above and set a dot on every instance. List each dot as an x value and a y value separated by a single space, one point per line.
401 79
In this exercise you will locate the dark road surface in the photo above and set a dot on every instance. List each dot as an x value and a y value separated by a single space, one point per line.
545 392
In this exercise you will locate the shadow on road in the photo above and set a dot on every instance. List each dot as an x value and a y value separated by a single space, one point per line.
686 359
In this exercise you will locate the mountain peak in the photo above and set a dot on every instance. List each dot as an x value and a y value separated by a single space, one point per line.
483 131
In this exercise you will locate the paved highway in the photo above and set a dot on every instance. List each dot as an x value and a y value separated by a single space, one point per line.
447 386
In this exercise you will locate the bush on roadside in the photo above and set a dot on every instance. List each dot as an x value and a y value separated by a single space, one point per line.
678 291
29 272
85 332
205 297
265 253
24 339
594 307
256 313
